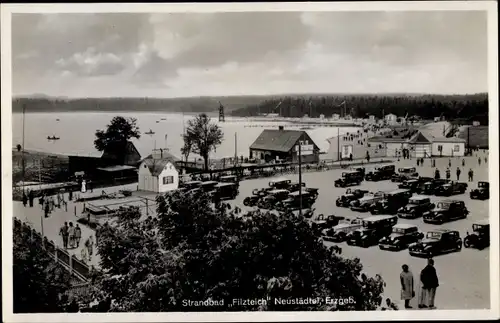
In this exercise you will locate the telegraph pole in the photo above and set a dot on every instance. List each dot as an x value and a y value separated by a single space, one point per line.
300 179
23 165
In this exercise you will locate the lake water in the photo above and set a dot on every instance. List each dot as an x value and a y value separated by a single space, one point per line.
77 132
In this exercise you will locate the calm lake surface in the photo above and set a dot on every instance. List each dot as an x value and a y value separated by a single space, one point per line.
77 132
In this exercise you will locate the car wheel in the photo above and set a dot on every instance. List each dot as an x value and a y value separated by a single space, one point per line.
467 243
459 246
246 202
336 185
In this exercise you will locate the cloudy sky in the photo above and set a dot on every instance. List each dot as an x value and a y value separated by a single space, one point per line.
187 54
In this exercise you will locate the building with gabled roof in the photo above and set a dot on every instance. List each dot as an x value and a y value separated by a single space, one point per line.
158 172
282 145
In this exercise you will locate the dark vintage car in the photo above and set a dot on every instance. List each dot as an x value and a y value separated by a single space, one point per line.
414 185
381 173
226 191
417 206
479 238
451 188
229 179
323 222
208 186
401 237
349 178
189 186
365 203
294 186
340 232
272 199
430 186
437 242
482 192
446 211
374 228
349 196
280 183
404 174
391 202
292 201
257 194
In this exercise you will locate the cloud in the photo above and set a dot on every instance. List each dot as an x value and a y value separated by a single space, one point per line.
182 54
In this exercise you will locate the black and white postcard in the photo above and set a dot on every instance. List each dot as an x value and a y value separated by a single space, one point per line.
250 161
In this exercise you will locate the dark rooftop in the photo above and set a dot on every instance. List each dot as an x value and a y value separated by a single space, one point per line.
278 140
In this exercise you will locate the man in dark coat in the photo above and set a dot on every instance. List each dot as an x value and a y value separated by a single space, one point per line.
429 283
31 197
25 199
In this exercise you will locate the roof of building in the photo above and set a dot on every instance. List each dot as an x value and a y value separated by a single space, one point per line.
116 168
451 139
385 139
278 140
419 138
156 166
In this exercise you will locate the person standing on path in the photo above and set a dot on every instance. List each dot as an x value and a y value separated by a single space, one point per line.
89 244
471 175
46 210
367 157
78 235
458 173
463 162
25 199
448 174
407 286
430 282
418 162
479 161
71 235
437 174
449 162
64 233
31 198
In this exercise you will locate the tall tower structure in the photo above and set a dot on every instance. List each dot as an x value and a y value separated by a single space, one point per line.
221 113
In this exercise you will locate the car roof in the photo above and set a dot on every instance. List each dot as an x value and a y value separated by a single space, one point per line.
225 184
404 226
378 218
277 191
193 182
482 222
298 193
451 201
209 182
443 230
419 197
350 172
281 179
398 191
407 167
228 176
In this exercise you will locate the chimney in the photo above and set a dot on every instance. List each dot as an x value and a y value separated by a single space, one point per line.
281 128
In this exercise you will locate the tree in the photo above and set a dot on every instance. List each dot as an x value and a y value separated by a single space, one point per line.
202 136
186 149
197 251
38 280
116 136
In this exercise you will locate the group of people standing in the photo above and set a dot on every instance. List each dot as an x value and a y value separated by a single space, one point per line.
429 282
71 235
47 203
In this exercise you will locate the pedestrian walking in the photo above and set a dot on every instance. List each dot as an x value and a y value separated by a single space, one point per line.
449 162
46 210
407 286
433 163
70 195
25 199
471 175
63 232
463 162
479 161
41 201
422 161
429 283
350 157
71 235
89 244
437 174
368 157
448 174
78 235
31 198
418 162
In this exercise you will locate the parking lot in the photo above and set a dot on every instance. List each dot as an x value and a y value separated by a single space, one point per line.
464 276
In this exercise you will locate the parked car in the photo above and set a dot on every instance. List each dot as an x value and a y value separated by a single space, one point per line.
381 173
374 228
429 187
257 194
482 192
292 202
417 206
404 174
451 188
323 222
274 196
280 183
293 186
480 236
229 179
340 232
349 196
226 191
364 204
447 211
391 202
437 242
349 178
415 184
191 185
208 186
401 237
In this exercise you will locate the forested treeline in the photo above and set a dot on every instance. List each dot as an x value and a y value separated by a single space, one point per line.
426 106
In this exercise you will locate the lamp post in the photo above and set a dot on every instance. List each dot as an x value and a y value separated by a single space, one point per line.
300 179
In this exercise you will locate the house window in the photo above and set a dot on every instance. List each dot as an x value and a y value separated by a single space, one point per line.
456 148
168 180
